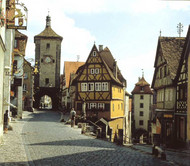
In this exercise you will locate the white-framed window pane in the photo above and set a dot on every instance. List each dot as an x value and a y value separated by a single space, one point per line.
92 105
104 86
101 105
91 71
90 86
94 53
83 87
97 71
98 86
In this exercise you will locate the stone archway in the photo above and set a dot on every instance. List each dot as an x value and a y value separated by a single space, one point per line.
53 93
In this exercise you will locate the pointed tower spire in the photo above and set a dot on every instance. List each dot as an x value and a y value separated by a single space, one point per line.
142 73
48 21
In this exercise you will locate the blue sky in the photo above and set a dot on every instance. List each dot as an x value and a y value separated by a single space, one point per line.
130 29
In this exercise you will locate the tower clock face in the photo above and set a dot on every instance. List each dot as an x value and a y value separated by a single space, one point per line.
47 59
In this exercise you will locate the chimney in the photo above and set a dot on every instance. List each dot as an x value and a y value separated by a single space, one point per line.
100 47
115 69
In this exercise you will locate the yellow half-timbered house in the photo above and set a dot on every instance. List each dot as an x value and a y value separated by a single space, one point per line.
100 88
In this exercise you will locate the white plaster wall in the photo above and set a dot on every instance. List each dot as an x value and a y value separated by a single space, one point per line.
9 43
2 55
147 101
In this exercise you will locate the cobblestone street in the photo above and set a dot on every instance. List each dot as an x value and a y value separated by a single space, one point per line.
44 141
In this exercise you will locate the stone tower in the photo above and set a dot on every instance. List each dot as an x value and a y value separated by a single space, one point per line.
48 58
142 101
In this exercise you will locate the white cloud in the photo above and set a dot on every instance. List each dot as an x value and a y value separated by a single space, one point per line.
76 40
131 68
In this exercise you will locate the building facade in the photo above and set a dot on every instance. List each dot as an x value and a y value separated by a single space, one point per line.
70 68
142 102
167 59
2 56
28 86
18 70
182 113
100 91
48 59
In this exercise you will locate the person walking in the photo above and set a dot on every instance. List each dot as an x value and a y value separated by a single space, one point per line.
72 116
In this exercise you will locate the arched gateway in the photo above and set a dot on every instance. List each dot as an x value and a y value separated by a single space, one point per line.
48 59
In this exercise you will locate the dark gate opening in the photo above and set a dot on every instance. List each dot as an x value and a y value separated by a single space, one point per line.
47 96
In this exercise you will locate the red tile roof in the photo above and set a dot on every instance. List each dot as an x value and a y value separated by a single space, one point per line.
70 67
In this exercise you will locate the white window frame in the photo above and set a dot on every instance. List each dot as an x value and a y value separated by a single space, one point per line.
97 71
101 106
92 71
104 86
98 86
90 87
24 87
83 87
92 105
94 53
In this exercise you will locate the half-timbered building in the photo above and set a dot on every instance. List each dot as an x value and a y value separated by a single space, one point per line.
100 88
181 112
167 59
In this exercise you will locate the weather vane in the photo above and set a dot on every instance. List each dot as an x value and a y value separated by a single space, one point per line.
142 72
179 29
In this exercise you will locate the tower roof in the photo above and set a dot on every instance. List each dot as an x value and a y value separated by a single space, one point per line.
48 32
142 87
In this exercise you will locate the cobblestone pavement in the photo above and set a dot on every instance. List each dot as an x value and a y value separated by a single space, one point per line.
178 157
12 151
44 141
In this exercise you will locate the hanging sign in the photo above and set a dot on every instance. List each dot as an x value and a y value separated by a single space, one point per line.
17 15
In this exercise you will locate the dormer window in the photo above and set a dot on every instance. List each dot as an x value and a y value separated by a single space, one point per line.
142 89
94 53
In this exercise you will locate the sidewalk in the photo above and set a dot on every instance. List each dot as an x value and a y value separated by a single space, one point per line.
176 157
12 151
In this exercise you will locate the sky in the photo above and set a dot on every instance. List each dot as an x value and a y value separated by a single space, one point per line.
129 28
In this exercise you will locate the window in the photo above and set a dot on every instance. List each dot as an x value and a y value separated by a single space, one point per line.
113 107
97 71
94 53
101 106
118 106
91 71
92 105
83 87
141 105
165 71
142 88
107 107
16 43
47 45
15 65
104 86
47 81
160 72
98 86
141 97
90 86
25 75
141 113
141 122
24 87
122 106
